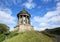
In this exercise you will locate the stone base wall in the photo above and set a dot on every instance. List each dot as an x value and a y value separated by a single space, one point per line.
23 28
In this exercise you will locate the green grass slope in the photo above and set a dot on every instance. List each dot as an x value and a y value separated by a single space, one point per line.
55 31
30 36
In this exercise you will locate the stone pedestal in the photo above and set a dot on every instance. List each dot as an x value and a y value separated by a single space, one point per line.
23 27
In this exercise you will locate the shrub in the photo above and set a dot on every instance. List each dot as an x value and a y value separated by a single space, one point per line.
2 37
12 34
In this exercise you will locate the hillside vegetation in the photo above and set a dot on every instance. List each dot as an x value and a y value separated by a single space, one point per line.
55 31
30 36
4 29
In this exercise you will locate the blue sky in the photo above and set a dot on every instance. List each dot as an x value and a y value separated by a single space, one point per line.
44 13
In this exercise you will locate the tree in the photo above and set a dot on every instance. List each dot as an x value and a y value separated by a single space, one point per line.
3 28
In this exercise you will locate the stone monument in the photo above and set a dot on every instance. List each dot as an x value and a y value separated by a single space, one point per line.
23 22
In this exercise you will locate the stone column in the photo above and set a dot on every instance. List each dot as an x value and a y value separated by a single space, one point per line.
26 19
18 20
22 20
29 20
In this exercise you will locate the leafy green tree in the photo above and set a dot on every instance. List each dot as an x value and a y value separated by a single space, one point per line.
3 28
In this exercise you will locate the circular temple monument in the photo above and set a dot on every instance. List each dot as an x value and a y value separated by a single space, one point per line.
23 22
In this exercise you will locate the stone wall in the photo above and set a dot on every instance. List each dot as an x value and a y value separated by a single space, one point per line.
25 27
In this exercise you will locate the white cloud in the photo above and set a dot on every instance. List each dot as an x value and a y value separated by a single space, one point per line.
38 28
40 19
37 18
56 0
46 0
30 4
50 0
30 1
6 17
53 13
16 2
50 20
9 3
55 20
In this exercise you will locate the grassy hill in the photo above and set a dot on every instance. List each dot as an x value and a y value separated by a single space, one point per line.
55 31
30 36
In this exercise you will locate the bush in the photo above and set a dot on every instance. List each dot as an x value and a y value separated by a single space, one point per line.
2 37
12 34
3 28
